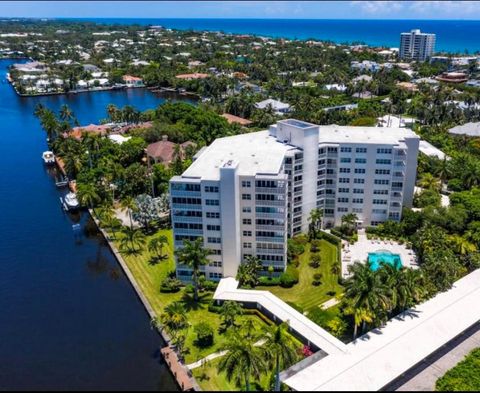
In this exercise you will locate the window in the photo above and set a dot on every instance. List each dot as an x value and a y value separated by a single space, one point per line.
215 275
247 245
360 160
329 181
357 210
359 170
246 184
384 151
247 233
212 202
344 180
358 191
247 221
382 181
213 215
346 149
379 211
357 200
184 225
215 264
345 159
382 171
246 209
215 240
397 184
342 200
332 149
266 183
213 227
359 181
344 170
321 151
361 150
265 197
383 161
216 252
344 190
211 189
246 197
186 201
380 192
342 209
298 167
379 202
185 187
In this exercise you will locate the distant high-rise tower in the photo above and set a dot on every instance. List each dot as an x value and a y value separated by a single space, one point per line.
416 45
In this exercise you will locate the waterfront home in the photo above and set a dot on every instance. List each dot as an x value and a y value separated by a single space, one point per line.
365 65
195 75
133 81
336 87
236 120
33 66
91 68
362 78
407 86
164 151
278 107
77 132
345 107
395 121
469 129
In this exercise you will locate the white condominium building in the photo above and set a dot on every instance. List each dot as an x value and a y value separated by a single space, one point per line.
417 45
246 194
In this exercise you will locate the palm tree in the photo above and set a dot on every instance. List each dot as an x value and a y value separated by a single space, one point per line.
242 361
112 223
427 180
229 311
174 318
280 350
73 164
360 316
132 240
247 273
87 195
193 255
156 245
461 245
128 204
364 290
66 113
315 220
349 221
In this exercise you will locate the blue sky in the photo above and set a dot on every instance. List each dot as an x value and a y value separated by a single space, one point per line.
245 9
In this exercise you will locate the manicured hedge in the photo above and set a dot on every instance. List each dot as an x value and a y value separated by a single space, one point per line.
266 281
465 376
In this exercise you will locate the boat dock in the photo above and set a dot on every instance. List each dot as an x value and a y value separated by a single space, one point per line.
180 372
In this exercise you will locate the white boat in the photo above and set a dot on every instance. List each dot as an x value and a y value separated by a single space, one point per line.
70 201
48 157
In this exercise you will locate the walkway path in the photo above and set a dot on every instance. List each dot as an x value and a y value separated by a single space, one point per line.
329 303
215 355
425 380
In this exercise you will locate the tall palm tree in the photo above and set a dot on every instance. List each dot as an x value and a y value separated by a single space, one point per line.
87 195
112 223
229 311
360 317
129 204
280 350
73 164
315 219
427 180
132 240
243 360
174 318
66 113
461 245
193 255
156 245
349 220
365 290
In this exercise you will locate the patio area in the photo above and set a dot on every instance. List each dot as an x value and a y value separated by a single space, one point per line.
359 251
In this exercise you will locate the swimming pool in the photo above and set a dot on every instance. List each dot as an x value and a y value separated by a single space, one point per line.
384 256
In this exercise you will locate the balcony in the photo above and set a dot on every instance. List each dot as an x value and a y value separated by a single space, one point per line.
273 239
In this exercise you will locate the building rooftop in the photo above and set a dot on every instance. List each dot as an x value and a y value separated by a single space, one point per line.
382 355
261 153
470 129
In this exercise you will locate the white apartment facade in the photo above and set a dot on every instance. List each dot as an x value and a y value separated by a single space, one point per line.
246 194
417 45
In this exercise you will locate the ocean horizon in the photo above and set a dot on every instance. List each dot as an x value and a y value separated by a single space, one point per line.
453 36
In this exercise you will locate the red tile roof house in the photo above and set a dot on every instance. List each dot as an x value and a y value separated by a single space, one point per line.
235 119
77 132
195 75
133 81
163 151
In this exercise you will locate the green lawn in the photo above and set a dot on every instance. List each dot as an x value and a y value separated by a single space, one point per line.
304 293
465 376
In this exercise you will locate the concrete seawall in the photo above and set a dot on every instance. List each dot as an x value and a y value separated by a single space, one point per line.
166 338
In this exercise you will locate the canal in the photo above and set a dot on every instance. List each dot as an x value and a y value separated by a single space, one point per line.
69 318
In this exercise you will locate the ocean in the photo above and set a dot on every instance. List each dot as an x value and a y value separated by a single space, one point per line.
453 36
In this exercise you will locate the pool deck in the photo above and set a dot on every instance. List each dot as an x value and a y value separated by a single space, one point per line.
359 251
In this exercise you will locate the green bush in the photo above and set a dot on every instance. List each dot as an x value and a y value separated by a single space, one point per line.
321 317
330 238
210 285
212 307
315 260
317 279
189 288
267 281
205 335
465 376
290 277
170 285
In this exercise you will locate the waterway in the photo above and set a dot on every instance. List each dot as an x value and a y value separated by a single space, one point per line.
69 318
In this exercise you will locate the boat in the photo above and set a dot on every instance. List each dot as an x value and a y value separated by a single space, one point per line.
70 202
48 157
61 181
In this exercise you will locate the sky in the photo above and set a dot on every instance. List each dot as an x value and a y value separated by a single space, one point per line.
244 9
